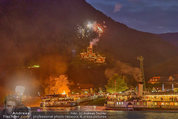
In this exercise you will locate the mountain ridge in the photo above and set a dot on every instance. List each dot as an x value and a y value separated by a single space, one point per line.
32 30
170 37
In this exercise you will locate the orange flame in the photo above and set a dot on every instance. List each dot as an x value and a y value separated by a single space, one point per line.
64 92
58 85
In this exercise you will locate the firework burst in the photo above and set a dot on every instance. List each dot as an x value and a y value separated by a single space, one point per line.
86 31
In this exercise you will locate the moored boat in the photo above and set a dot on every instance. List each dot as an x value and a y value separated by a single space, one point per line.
57 100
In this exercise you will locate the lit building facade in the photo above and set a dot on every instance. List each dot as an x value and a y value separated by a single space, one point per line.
164 84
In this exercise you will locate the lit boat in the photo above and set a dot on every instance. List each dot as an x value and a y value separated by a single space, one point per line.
57 100
148 101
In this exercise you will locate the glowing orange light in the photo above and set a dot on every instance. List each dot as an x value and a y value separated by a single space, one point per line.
58 85
64 93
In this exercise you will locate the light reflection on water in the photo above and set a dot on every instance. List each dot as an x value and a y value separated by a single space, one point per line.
77 108
113 114
142 115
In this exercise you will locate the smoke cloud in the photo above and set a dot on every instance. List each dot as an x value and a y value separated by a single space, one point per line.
123 68
94 41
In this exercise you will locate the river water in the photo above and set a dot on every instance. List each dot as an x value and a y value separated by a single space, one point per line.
114 114
142 115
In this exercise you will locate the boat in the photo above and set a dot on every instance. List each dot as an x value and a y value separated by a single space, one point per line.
57 100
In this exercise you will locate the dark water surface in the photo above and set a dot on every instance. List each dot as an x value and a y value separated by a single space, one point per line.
114 114
109 114
142 115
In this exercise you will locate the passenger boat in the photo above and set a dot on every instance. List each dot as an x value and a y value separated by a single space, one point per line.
57 100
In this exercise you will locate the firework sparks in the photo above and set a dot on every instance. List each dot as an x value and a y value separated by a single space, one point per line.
90 55
98 28
81 32
90 28
90 25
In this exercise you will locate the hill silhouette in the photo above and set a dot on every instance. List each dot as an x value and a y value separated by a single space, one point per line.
44 32
170 37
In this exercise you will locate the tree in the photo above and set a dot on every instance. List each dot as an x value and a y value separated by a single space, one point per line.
116 84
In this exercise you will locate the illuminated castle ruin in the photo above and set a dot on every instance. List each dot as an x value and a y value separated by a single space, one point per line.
91 56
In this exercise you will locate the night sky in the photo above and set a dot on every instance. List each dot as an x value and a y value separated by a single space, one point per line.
155 16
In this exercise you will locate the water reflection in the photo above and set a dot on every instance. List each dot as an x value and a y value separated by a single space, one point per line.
114 114
142 115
